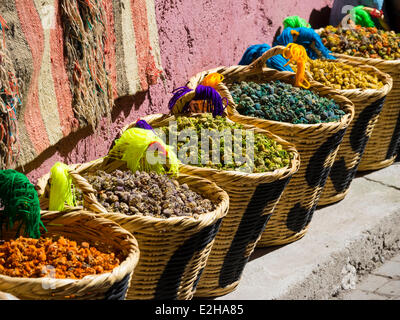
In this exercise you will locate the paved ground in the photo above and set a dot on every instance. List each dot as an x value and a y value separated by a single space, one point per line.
382 284
345 242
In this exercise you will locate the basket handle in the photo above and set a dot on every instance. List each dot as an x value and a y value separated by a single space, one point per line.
372 11
379 15
259 63
299 55
89 193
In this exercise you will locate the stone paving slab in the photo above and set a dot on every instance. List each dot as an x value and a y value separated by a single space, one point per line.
362 295
373 283
389 269
310 267
381 284
389 176
391 288
396 258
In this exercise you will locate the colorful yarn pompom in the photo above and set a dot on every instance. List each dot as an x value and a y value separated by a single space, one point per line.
61 189
143 124
133 146
178 93
297 53
212 80
19 202
211 99
255 51
362 17
306 37
295 22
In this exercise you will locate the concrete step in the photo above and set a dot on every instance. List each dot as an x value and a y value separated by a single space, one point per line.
344 240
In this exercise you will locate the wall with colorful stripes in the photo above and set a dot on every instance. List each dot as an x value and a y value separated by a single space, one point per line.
35 41
191 36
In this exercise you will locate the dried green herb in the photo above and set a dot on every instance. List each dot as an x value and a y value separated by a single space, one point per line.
280 101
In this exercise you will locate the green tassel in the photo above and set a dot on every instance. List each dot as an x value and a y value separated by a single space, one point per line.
362 17
20 203
295 22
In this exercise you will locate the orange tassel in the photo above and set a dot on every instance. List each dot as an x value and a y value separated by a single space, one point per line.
297 53
212 80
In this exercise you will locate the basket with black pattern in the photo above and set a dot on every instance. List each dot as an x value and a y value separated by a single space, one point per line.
173 251
317 145
368 104
384 144
80 226
252 199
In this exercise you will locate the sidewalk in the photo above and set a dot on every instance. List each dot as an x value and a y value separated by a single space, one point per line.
382 284
345 241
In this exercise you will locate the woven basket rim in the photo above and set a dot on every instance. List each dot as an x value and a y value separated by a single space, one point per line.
284 172
94 281
392 63
150 222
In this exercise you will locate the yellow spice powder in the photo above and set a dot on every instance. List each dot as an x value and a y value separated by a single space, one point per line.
341 76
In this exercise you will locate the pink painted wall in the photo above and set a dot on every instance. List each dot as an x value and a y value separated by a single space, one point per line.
194 36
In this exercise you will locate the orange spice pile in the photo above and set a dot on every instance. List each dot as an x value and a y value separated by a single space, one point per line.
45 257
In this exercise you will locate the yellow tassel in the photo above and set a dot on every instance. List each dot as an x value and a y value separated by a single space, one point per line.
61 187
135 146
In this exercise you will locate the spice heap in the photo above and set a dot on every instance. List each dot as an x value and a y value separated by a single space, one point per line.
268 154
341 76
283 102
149 194
61 259
362 42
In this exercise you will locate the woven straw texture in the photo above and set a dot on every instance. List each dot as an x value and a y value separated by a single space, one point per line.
80 225
317 145
367 107
174 251
382 147
252 198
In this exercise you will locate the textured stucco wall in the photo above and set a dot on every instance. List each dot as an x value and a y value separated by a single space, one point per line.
194 36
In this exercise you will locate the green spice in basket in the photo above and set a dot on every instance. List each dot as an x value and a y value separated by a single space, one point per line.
362 42
280 101
268 154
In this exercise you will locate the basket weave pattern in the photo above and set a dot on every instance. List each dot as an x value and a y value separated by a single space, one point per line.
252 201
381 150
173 251
367 106
317 145
383 145
80 225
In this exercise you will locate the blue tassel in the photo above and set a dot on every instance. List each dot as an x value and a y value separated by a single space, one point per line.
305 38
255 51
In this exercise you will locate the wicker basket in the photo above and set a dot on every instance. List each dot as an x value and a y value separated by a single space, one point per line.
367 106
316 143
383 145
173 251
80 225
7 296
252 200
